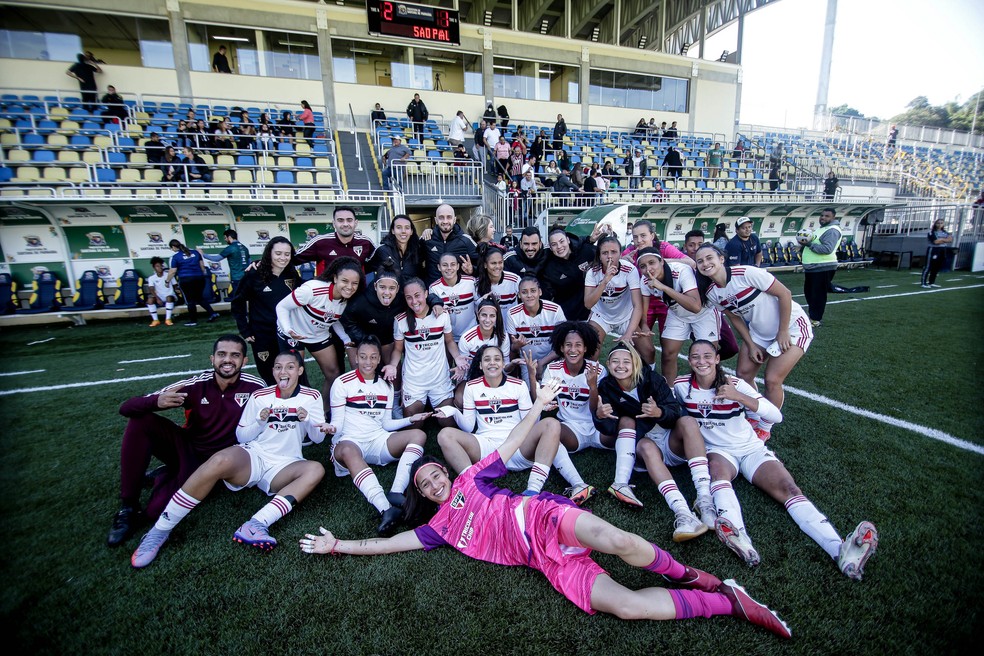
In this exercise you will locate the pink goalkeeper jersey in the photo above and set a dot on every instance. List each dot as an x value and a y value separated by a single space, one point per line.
479 519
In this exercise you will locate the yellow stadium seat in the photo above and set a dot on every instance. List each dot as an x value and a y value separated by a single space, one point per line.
27 174
54 174
225 160
102 141
129 175
153 175
69 127
243 176
57 140
58 113
302 149
285 162
264 177
207 158
138 159
78 174
322 163
8 139
18 155
305 178
324 178
221 176
68 156
92 157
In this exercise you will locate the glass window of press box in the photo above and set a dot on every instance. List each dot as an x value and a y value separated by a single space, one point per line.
388 65
250 51
638 91
534 80
60 35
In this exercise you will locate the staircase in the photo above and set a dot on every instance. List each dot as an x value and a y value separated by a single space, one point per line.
351 159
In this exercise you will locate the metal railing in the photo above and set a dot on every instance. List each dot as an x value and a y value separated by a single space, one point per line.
444 179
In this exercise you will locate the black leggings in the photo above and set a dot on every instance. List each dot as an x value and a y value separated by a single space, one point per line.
935 259
815 286
308 131
194 291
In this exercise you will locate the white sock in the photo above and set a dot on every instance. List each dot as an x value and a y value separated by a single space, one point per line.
277 508
177 508
538 476
674 499
813 522
701 475
410 455
727 503
152 308
168 309
625 455
369 485
565 467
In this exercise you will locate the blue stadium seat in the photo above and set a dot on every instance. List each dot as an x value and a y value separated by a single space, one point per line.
285 177
44 295
43 156
105 175
129 291
88 292
8 294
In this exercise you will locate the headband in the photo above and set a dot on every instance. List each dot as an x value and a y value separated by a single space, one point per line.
421 468
619 346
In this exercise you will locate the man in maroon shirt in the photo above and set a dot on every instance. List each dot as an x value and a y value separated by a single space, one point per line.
213 402
323 249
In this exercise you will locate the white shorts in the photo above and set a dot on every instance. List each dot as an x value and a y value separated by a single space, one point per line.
613 329
746 459
490 442
164 292
800 333
661 436
704 325
587 435
262 469
436 392
373 447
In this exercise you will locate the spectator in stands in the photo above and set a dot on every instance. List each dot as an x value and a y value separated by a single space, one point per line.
202 138
447 237
537 149
501 186
172 168
286 125
154 149
550 174
609 172
671 132
84 70
559 131
222 138
528 189
306 117
579 175
652 130
417 113
659 194
254 304
744 248
635 168
503 114
516 162
377 116
562 276
564 185
400 249
502 154
514 198
673 163
489 115
529 257
245 135
563 160
220 63
641 128
592 188
714 157
115 106
459 125
739 152
265 120
830 185
509 240
478 149
344 241
189 268
720 238
397 153
819 256
265 139
237 254
519 139
196 170
461 157
491 137
660 133
777 154
939 243
893 134
185 136
775 177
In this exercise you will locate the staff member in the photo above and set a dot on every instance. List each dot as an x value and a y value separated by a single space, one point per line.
939 241
819 255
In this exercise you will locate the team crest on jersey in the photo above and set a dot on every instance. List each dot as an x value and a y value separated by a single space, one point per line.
609 290
573 392
242 398
453 299
495 404
705 408
263 355
534 330
371 400
458 502
358 250
732 300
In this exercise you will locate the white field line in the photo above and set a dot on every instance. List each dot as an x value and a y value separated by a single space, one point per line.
21 373
164 357
885 286
927 291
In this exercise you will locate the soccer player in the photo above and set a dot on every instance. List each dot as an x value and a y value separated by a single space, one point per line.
494 282
636 404
490 330
212 403
530 326
163 293
274 422
492 404
644 236
366 434
719 403
774 330
548 534
611 292
457 292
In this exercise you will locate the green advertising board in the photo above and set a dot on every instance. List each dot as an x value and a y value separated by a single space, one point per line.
96 242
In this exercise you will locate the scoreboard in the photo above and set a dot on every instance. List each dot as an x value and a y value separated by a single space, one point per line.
412 21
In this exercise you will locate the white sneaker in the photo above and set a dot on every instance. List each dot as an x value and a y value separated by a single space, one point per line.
687 527
925 286
933 284
856 549
736 540
624 493
704 506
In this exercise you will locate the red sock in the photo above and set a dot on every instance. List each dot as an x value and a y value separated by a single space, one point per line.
663 563
697 603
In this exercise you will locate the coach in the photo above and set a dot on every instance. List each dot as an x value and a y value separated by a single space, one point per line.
448 237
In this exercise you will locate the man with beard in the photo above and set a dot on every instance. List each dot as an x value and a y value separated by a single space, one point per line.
528 257
325 249
448 237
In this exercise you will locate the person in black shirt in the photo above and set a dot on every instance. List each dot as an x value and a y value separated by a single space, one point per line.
84 70
220 63
401 249
115 107
529 257
562 276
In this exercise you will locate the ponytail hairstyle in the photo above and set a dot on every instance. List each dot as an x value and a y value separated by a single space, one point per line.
703 282
475 370
344 263
485 251
411 317
720 375
294 354
601 242
453 257
500 329
174 243
418 509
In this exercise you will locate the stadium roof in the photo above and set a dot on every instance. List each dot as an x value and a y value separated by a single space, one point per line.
641 23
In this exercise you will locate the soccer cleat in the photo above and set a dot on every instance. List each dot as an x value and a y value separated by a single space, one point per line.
212 317
191 323
704 507
737 541
396 499
762 434
155 323
255 534
581 493
624 493
856 549
816 323
168 322
124 523
391 517
148 548
687 527
697 579
748 609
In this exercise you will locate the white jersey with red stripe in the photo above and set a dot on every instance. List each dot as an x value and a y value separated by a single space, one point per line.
313 311
358 406
745 294
722 421
572 399
615 304
425 358
459 302
684 281
473 340
280 436
506 291
538 329
495 411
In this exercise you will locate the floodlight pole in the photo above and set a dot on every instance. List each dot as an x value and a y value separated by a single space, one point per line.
823 82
